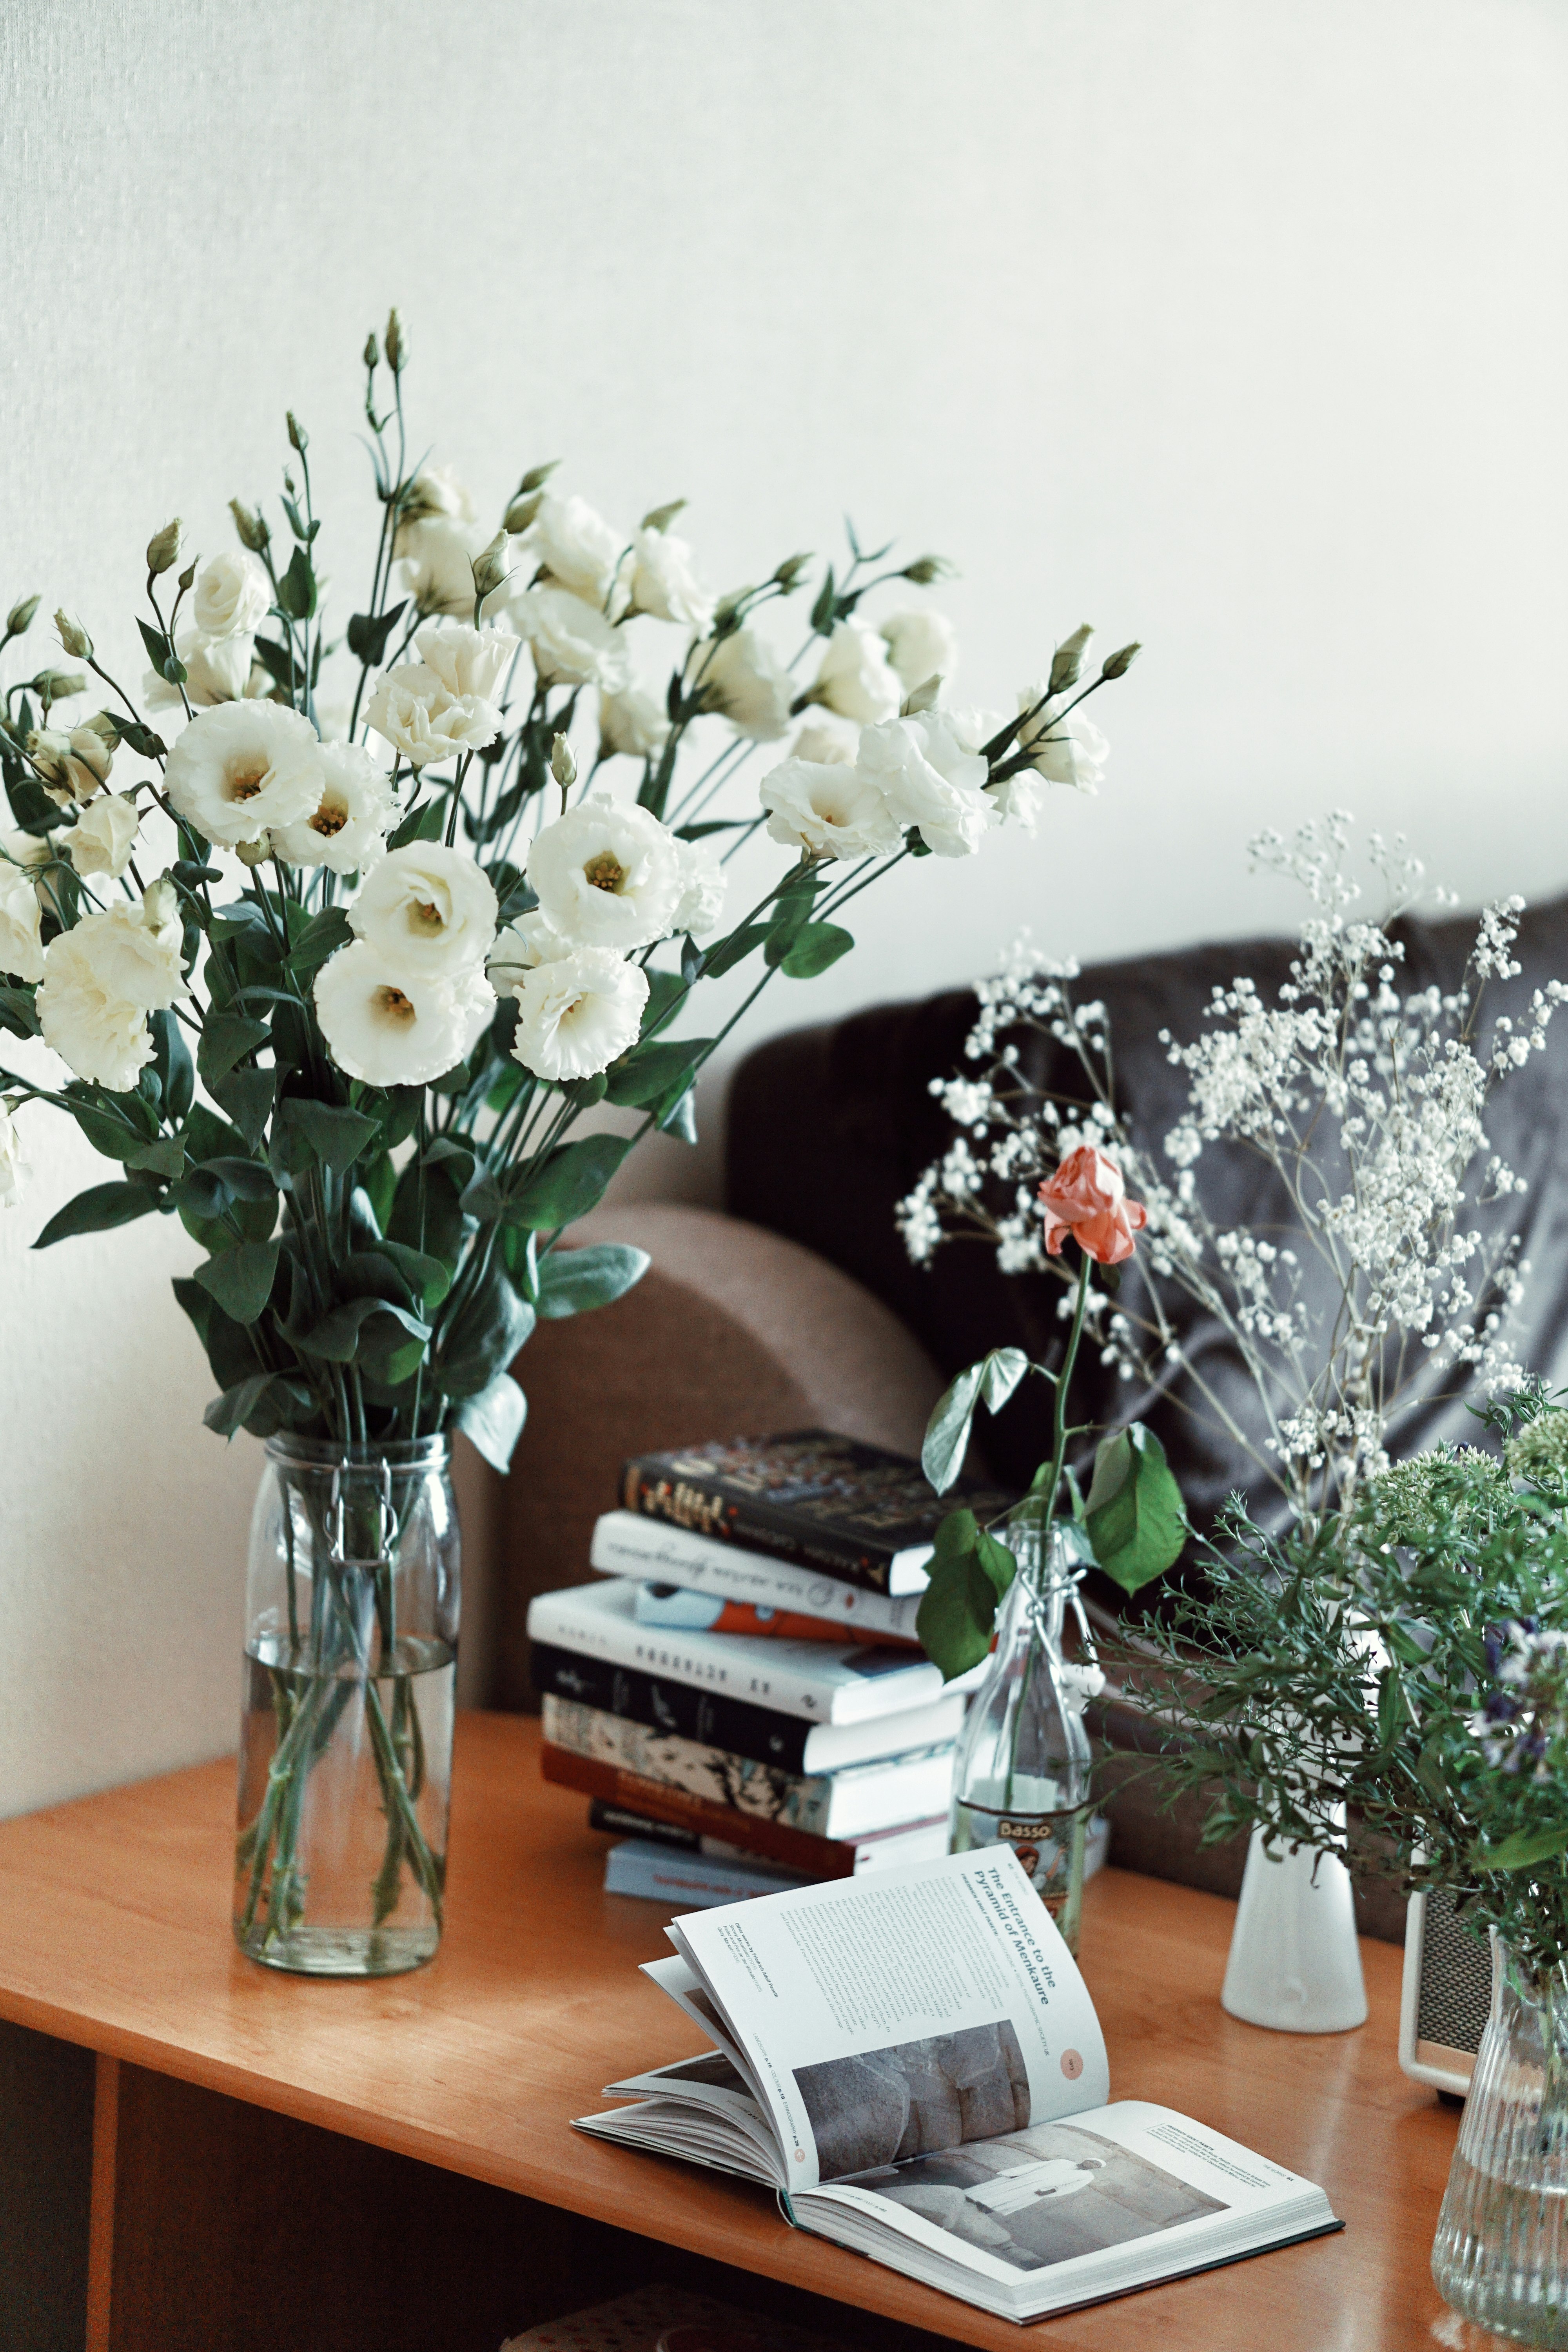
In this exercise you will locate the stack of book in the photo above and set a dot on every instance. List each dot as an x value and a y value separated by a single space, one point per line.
744 1700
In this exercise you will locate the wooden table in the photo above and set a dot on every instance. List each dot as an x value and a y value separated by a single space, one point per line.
218 2209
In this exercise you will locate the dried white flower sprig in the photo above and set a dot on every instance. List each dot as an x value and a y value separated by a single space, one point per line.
1367 1105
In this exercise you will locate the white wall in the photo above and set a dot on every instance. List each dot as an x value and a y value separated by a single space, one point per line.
1237 325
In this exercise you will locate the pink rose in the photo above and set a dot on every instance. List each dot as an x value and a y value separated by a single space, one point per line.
1086 1198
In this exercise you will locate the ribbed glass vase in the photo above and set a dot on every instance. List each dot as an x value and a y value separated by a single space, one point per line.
345 1758
1502 2249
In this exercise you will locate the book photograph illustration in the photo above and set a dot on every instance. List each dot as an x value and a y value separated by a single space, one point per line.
913 2062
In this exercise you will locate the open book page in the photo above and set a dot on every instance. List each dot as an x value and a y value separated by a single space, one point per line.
882 2018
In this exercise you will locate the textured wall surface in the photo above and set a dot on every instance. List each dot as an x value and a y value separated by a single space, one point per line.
1235 327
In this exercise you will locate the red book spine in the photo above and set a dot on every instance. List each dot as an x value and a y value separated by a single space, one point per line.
813 1858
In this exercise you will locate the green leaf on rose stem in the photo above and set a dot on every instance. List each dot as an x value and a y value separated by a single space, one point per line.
734 949
568 1182
814 947
425 822
969 1573
97 1210
947 1432
297 589
679 1116
172 1060
241 1279
492 1421
1136 1518
322 936
226 1039
336 1135
1521 1850
246 1097
489 1327
1000 1375
336 1337
368 634
647 1072
17 1012
574 1281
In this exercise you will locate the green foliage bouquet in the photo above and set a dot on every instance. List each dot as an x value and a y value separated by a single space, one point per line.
355 1024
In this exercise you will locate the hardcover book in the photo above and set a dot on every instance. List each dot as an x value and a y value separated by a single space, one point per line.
689 1882
628 1543
791 1742
889 1851
856 1802
853 1510
913 2066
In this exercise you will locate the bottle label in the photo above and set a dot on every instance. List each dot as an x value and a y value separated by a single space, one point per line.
1042 1842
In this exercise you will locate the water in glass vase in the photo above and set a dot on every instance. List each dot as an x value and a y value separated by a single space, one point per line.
343 1791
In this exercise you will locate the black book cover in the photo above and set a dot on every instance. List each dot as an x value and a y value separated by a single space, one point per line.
616 1822
732 1723
833 1503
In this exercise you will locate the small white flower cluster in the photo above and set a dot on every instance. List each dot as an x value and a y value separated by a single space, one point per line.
1368 1105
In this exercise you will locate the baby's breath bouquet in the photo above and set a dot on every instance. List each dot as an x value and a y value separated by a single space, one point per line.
370 951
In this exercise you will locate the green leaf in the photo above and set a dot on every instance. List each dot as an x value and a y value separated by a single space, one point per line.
679 1116
1523 1848
233 1410
486 1335
947 1430
160 652
97 1210
1136 1522
368 634
1000 1375
277 661
247 1180
573 1281
337 1136
427 822
17 1012
172 1060
226 1038
492 1421
969 1573
322 936
240 1279
568 1184
652 1070
246 1097
336 1338
734 949
814 947
297 589
165 1158
664 991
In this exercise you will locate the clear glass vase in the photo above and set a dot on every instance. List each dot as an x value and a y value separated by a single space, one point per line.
1020 1776
1501 2251
345 1752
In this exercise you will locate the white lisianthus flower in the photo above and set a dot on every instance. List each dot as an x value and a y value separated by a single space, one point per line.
577 1012
103 836
606 875
920 645
740 677
1019 799
233 596
14 1169
101 980
930 782
217 669
520 946
703 885
632 724
423 720
829 807
72 767
21 941
823 745
346 829
665 583
436 564
577 547
427 911
437 490
1069 750
243 769
974 729
33 852
573 642
856 677
393 1028
468 661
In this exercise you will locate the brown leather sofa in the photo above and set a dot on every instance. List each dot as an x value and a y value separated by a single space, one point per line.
799 1304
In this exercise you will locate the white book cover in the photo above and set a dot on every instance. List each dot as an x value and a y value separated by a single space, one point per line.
814 1679
625 1543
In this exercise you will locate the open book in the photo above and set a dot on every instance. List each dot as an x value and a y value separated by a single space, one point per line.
913 2061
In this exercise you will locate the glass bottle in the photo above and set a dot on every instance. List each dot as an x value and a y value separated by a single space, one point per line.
1020 1776
1501 2251
345 1754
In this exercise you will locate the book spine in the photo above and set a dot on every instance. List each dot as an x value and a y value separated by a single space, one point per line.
660 1705
813 1858
757 1790
614 1820
628 1543
708 1506
714 1661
